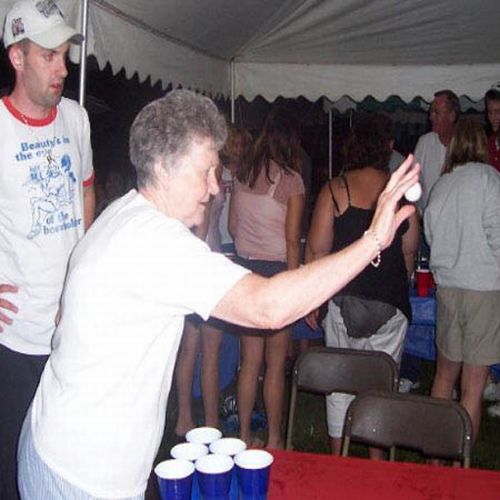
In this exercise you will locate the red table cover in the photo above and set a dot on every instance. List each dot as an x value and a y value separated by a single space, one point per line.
309 476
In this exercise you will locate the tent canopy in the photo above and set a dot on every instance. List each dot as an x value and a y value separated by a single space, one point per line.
312 48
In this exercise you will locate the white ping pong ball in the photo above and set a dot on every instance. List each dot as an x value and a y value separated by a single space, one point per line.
414 193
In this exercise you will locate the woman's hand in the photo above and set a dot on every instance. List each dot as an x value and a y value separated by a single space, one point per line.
312 319
388 217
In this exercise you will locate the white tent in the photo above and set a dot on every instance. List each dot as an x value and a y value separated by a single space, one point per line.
312 48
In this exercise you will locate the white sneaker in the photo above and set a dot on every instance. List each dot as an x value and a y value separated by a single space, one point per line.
406 385
492 391
494 410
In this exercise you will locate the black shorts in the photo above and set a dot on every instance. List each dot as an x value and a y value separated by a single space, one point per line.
266 268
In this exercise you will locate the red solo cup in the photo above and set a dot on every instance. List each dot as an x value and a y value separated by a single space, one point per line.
424 282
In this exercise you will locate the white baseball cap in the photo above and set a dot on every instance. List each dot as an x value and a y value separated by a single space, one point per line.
40 21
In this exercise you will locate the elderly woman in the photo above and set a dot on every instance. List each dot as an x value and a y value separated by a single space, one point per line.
265 220
462 226
373 310
97 418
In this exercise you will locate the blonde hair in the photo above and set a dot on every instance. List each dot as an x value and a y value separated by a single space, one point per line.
239 141
468 144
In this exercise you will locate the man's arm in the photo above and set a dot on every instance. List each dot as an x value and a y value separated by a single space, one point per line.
410 244
293 224
88 205
278 301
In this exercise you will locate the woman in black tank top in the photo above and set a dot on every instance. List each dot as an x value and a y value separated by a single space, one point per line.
372 311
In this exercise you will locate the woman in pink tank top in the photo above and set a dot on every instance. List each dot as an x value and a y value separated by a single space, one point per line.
265 220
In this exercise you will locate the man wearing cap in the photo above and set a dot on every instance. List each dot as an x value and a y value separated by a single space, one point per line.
46 202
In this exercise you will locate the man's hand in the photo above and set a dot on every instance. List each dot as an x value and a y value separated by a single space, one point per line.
6 304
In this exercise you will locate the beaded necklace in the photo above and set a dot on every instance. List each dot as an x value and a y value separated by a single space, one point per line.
50 143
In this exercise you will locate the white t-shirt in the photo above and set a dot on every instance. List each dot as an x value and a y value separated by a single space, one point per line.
99 411
430 153
41 215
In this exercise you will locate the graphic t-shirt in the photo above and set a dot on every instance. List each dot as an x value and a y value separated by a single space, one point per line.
42 168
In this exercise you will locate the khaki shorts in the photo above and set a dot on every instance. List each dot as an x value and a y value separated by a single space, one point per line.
389 338
468 326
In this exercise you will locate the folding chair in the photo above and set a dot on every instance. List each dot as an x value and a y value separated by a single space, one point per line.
323 370
438 428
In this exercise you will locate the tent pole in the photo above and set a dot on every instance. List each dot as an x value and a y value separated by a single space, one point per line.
330 146
83 53
232 82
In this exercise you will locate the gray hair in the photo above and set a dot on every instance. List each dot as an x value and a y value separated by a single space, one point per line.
165 129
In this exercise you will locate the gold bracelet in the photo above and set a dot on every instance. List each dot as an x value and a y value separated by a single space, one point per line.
378 258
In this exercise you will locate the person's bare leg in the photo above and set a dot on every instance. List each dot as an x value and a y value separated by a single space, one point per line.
252 348
472 383
447 373
335 445
446 376
274 384
376 453
184 377
211 338
336 449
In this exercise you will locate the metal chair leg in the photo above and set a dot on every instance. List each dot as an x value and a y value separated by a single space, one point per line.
291 416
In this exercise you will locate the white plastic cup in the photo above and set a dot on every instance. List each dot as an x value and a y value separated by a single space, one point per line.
189 451
175 479
203 435
228 446
253 468
214 473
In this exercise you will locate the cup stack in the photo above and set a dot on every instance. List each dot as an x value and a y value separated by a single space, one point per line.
211 467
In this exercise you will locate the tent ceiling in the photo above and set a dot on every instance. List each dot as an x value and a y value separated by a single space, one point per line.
301 47
371 32
219 28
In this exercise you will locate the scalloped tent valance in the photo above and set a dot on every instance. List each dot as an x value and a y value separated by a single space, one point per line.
312 48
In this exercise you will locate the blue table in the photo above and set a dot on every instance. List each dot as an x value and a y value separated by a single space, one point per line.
420 336
302 331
